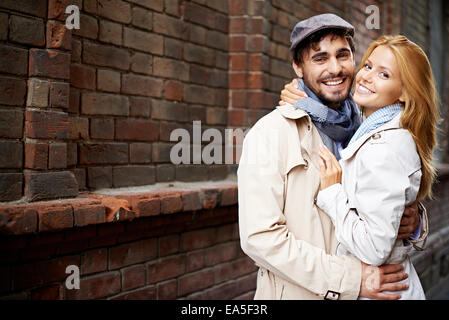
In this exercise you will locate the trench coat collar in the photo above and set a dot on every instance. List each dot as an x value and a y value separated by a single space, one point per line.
349 151
290 112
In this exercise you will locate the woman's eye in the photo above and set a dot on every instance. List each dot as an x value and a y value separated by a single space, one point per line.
366 66
384 75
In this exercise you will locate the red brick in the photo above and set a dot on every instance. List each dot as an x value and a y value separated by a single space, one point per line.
27 31
89 29
96 287
82 77
102 128
12 91
108 80
111 32
147 293
136 130
199 54
191 201
36 155
105 55
53 218
174 90
173 48
199 14
195 281
169 26
133 277
52 292
237 43
165 110
74 101
140 152
11 155
142 18
227 232
78 128
133 176
57 156
56 9
46 124
132 253
141 85
143 41
42 272
58 36
238 62
139 107
17 220
49 63
148 207
11 186
166 268
229 196
170 202
234 269
237 25
116 10
211 197
85 215
94 261
103 153
13 60
220 253
195 260
237 80
104 104
168 245
59 95
161 152
236 117
167 290
165 173
34 8
51 185
198 239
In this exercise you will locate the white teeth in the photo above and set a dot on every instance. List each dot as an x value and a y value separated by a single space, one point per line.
334 83
364 89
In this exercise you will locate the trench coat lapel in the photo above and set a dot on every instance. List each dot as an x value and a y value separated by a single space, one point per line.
350 150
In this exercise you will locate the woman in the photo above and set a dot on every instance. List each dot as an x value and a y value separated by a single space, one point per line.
388 162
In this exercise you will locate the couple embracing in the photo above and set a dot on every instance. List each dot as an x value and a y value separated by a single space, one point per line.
338 211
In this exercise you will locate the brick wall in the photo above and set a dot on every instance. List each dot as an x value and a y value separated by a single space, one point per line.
82 110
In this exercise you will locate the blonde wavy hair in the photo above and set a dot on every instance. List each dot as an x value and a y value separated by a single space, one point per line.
421 111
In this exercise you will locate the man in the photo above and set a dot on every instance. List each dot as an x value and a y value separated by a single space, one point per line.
281 228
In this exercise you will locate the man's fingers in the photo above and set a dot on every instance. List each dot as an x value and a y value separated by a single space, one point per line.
391 268
386 296
405 235
394 277
394 287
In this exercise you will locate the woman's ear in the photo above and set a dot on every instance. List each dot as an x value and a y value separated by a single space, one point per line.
403 96
298 69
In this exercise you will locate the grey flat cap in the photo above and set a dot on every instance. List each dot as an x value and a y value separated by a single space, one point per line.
305 28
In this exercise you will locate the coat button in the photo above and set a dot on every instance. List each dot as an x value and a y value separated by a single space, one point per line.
306 164
308 127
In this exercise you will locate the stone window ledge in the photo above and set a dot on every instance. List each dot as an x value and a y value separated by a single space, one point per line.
119 204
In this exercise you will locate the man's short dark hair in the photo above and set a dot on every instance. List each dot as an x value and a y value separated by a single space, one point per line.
313 40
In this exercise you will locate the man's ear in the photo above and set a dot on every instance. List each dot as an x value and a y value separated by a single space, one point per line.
298 69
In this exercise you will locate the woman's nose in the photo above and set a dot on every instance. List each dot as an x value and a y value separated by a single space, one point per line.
367 76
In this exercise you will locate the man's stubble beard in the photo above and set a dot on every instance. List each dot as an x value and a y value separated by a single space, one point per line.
325 100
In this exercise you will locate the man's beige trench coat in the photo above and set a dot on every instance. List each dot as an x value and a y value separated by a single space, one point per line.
281 228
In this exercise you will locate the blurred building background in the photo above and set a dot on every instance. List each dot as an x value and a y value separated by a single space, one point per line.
85 122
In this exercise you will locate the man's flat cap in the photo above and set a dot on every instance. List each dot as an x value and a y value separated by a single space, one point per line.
305 28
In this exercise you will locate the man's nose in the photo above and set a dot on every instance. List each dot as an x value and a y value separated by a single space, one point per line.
334 66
